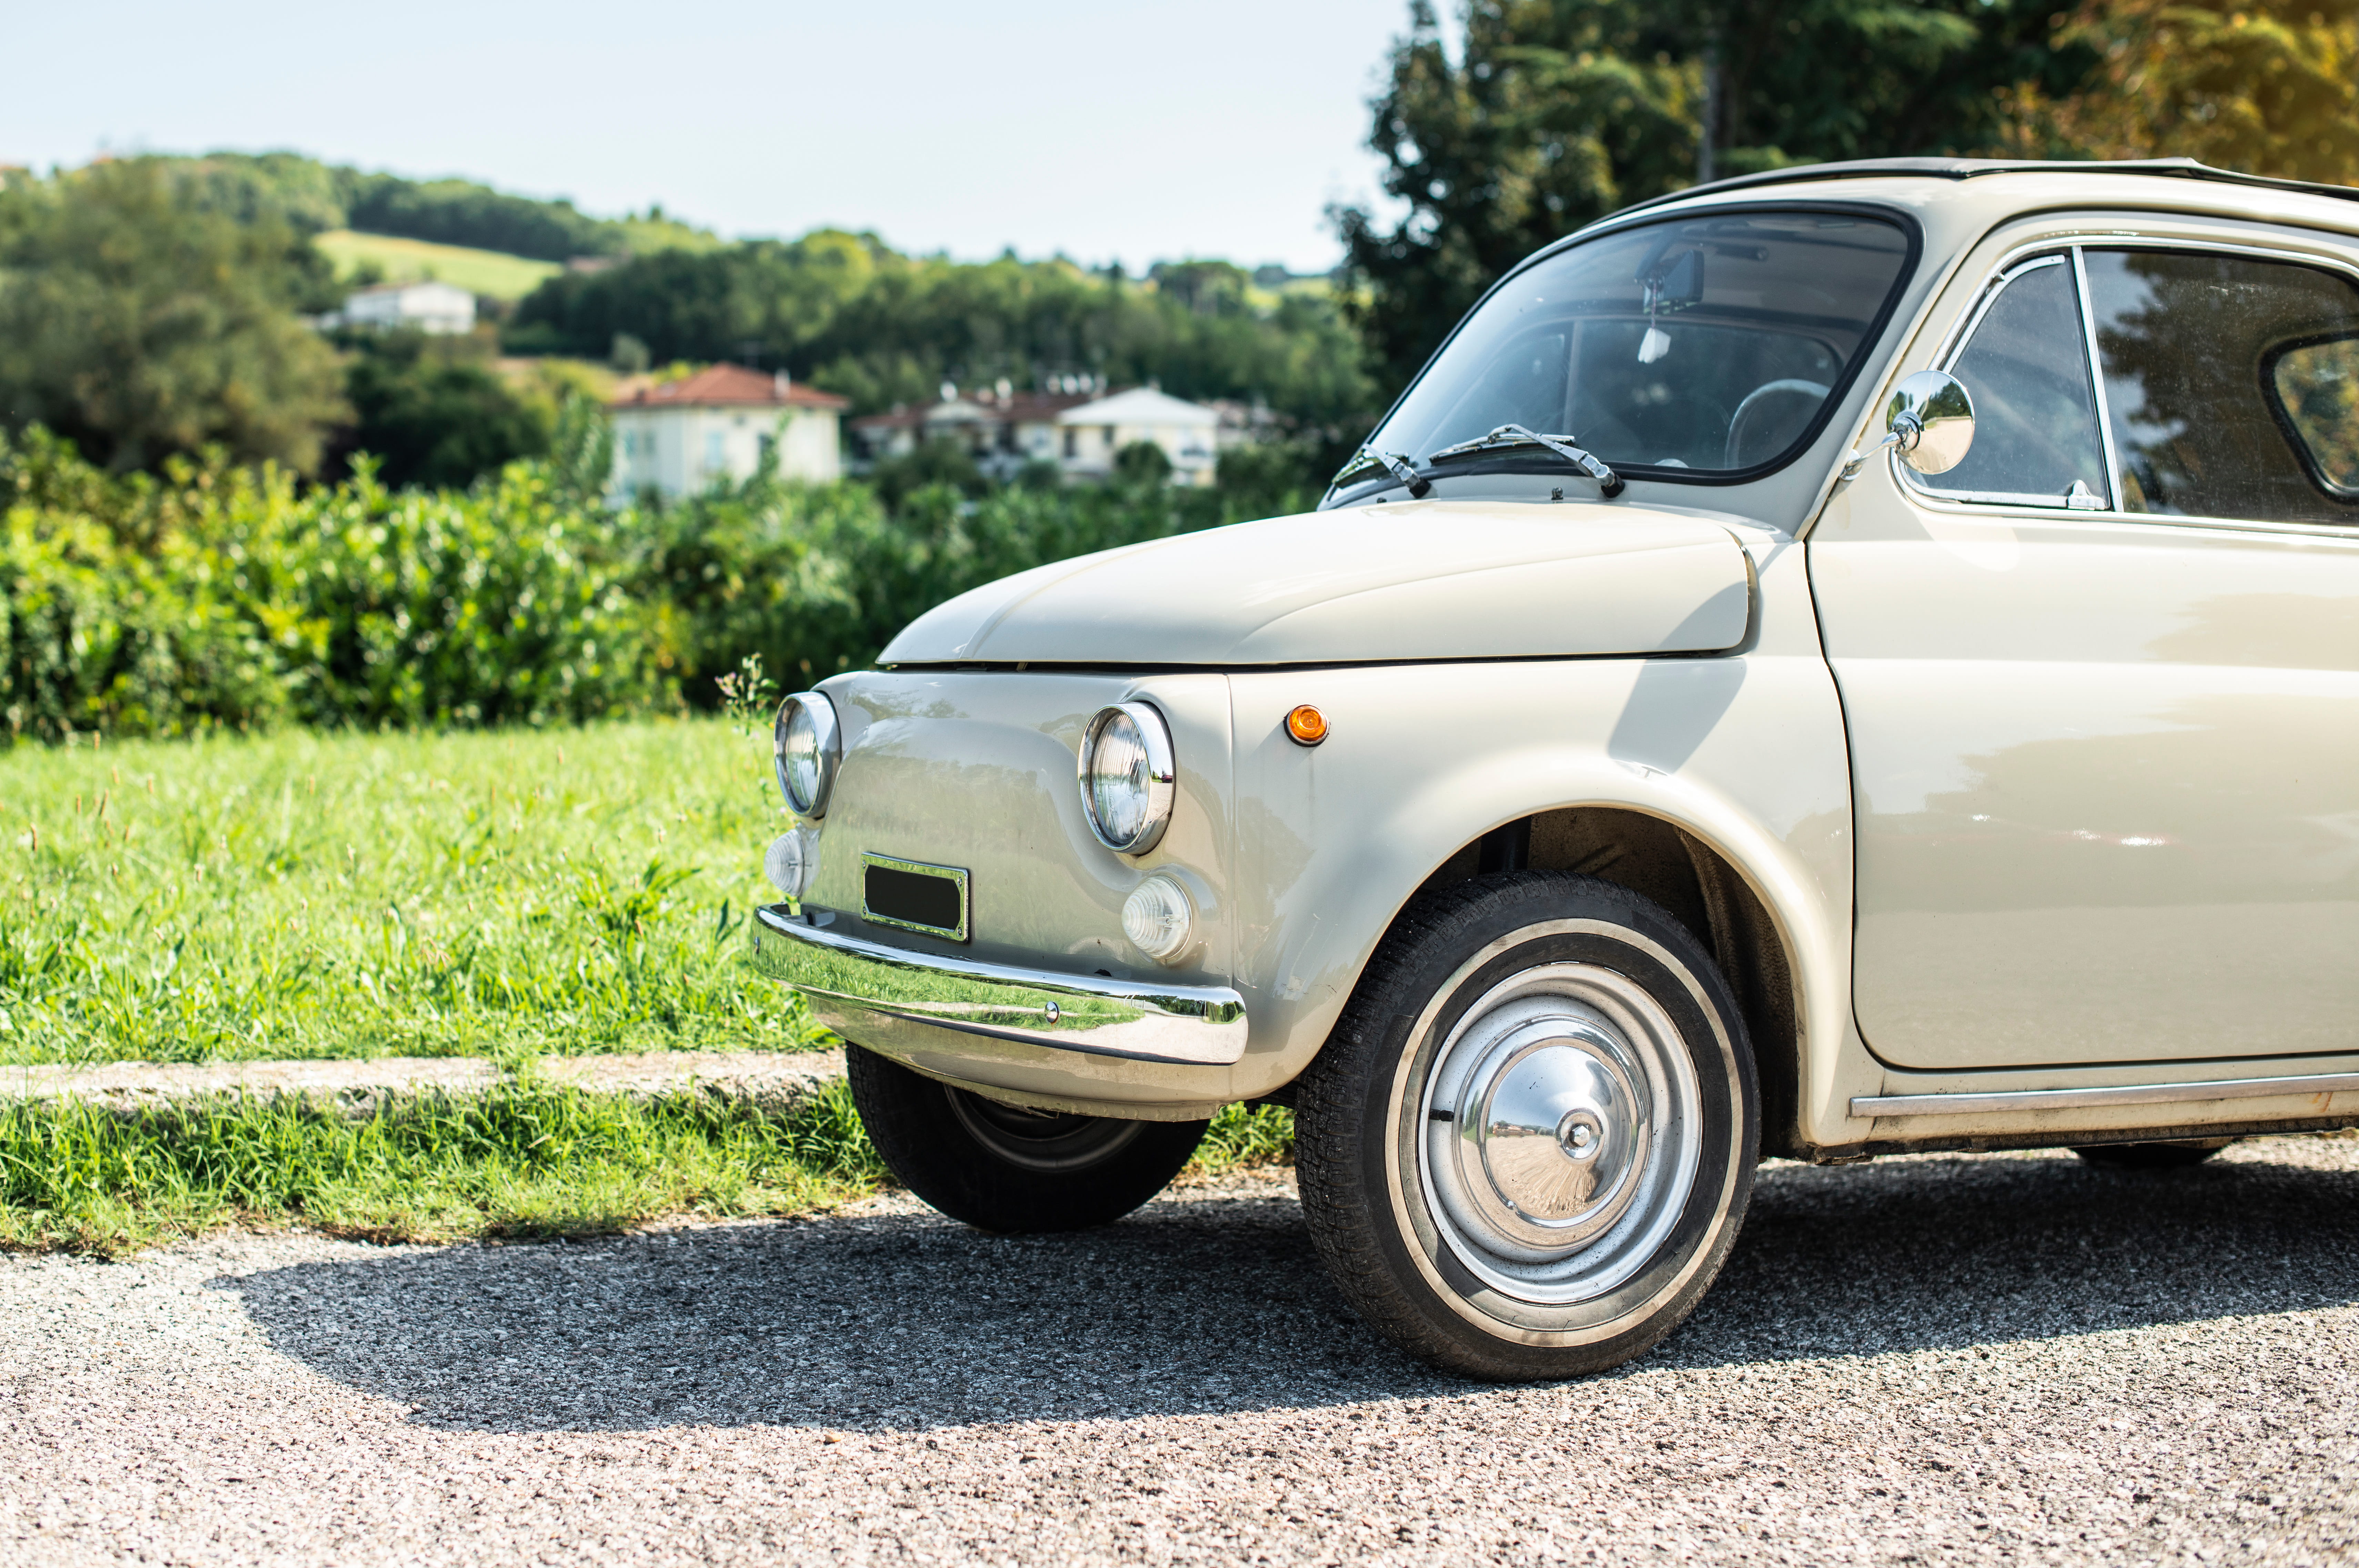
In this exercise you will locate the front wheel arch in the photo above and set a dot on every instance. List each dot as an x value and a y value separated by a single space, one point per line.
1695 880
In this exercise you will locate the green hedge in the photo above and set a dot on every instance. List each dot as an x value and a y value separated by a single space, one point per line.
215 596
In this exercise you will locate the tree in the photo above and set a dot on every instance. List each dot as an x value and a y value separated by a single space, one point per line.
313 196
2263 86
460 213
139 324
1555 112
849 314
1142 463
435 419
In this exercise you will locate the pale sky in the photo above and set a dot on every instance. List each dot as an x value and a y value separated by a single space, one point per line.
1127 131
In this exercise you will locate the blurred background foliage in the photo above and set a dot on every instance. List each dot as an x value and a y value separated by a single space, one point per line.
217 514
1550 114
219 595
851 315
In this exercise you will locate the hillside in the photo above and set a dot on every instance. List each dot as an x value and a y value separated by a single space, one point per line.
489 273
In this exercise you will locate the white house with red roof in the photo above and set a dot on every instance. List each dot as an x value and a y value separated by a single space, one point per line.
680 436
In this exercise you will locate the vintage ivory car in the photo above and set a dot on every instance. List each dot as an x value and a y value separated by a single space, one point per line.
1854 661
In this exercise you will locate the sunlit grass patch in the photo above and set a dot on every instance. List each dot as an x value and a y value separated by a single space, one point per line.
1243 1137
521 1161
304 895
492 273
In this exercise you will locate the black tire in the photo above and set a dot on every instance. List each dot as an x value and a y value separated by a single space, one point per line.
1000 1167
2173 1156
1412 1237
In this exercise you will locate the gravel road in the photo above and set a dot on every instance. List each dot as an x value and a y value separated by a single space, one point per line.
1938 1359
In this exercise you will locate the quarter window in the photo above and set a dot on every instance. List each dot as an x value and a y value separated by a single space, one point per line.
2316 389
2025 365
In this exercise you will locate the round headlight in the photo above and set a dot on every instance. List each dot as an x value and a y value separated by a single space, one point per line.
1155 917
806 743
1126 775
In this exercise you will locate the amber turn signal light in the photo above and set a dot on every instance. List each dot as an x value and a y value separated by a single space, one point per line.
1306 726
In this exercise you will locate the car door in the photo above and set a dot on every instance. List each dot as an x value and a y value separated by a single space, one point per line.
2102 679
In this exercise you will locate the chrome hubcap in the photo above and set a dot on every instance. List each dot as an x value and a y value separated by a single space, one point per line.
1561 1132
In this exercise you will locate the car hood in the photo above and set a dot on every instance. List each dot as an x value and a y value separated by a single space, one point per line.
1418 580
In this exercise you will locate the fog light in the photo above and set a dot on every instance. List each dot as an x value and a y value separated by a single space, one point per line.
1155 917
792 860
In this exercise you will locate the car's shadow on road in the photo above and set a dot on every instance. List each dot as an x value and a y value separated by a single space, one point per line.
1210 1305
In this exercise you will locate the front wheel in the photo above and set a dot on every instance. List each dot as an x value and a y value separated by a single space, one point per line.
1002 1167
1527 1148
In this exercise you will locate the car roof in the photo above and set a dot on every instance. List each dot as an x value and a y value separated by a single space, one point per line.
1958 169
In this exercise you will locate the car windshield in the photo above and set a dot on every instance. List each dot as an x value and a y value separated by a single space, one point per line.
1707 343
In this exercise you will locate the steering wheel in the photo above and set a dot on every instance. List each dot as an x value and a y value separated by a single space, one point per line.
1680 424
1768 409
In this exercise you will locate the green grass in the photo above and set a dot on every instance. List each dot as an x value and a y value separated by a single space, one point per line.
523 1160
502 895
300 895
493 274
520 1160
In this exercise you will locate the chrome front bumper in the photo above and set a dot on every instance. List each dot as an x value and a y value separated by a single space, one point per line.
869 992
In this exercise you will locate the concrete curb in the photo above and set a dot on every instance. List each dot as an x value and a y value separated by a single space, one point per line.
358 1085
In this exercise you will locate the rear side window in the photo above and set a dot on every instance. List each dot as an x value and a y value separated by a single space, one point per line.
2195 348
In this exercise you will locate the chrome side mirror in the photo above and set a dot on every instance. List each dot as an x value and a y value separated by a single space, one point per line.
1931 420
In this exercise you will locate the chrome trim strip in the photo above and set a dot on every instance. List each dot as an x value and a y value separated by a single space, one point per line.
2126 1094
2097 382
847 979
954 875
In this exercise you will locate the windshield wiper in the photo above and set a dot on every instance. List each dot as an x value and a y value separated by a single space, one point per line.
1393 463
1609 483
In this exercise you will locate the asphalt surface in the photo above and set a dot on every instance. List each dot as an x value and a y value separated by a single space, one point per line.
1939 1359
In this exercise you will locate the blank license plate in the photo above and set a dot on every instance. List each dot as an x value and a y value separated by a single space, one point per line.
914 896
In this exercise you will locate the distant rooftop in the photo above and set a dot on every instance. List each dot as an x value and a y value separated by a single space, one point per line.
730 386
982 406
405 287
1139 406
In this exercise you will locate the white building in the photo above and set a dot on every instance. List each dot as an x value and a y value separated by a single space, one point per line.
1079 432
1187 432
427 307
1001 428
680 436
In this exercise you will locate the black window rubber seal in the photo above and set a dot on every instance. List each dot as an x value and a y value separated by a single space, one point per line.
1900 217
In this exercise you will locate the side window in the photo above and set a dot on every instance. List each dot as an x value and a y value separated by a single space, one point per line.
2224 383
2025 364
2317 390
